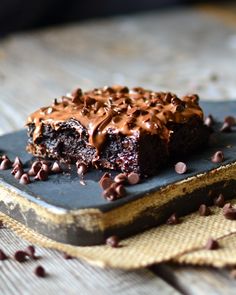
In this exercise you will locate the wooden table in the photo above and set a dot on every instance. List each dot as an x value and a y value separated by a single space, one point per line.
184 50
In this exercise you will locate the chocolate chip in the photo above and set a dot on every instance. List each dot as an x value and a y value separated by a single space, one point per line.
42 175
110 194
40 271
18 162
229 212
55 102
30 250
209 121
82 168
5 157
46 168
173 219
36 166
20 256
16 169
19 173
113 241
180 167
105 182
67 256
226 127
120 178
219 201
230 120
56 168
212 244
3 256
204 210
120 190
133 178
25 179
218 157
5 164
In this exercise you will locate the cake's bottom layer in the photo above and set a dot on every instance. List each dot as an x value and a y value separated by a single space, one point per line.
145 154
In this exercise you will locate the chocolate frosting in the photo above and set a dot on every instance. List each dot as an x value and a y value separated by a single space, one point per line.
128 111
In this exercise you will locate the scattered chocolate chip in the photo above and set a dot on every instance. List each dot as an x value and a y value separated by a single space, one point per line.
110 194
82 168
105 182
230 120
67 256
120 190
42 175
219 201
20 256
229 212
36 166
5 164
173 219
56 168
217 157
16 169
25 179
5 157
113 241
120 178
46 168
212 244
30 250
226 127
133 178
180 167
209 121
3 256
18 174
204 210
40 271
18 162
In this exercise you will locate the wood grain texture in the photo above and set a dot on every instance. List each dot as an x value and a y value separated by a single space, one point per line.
180 50
195 280
69 276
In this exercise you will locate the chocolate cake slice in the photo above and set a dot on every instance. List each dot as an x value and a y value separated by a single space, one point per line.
118 128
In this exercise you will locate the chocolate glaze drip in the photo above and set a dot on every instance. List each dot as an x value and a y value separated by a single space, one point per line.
128 111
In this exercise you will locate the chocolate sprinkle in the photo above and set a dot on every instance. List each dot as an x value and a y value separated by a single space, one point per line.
67 256
113 241
180 167
204 210
218 157
212 244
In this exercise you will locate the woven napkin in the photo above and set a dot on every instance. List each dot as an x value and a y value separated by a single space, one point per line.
183 243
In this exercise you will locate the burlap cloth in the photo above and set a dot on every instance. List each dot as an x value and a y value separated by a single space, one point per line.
183 243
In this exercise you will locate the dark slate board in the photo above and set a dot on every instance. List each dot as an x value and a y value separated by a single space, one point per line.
64 192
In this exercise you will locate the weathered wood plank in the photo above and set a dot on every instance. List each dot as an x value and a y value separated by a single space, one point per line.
70 276
197 280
